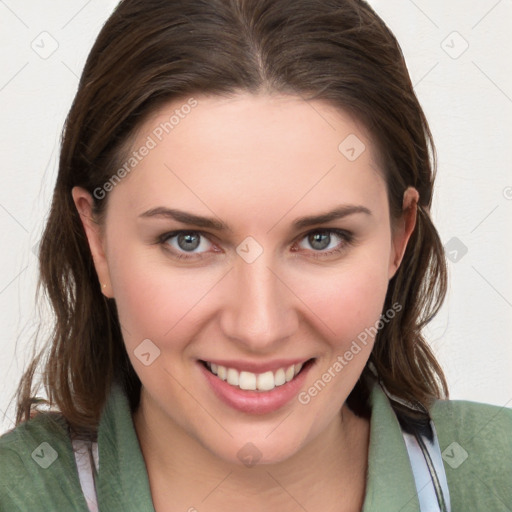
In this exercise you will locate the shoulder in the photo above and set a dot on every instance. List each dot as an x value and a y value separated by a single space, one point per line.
476 445
483 426
37 466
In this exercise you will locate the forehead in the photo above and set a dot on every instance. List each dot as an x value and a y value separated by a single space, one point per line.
262 152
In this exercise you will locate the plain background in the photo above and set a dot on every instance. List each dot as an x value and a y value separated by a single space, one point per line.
459 55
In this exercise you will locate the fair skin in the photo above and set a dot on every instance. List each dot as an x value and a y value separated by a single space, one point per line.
256 164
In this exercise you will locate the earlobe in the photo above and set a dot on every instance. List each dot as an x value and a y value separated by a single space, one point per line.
404 229
84 205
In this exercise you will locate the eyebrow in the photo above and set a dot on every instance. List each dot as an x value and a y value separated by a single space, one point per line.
213 223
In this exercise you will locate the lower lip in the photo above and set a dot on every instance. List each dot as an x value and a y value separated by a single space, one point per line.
256 402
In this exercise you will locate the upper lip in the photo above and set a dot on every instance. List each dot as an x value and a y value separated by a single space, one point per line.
257 367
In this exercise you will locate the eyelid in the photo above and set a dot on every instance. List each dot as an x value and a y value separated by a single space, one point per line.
337 231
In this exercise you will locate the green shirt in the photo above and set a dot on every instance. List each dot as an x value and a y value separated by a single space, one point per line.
475 440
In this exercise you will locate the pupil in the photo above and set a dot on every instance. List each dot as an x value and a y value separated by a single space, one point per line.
188 242
319 240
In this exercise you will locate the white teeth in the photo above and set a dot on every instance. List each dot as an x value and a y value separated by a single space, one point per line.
290 372
252 381
232 377
221 372
266 381
247 380
280 377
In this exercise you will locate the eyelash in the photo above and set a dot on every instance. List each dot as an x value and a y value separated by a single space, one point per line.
346 237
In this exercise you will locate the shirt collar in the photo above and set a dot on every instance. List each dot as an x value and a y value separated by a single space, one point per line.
390 482
122 481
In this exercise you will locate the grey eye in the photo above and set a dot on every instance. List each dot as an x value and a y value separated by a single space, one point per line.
319 240
189 241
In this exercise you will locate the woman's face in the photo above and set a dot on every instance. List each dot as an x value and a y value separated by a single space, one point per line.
252 233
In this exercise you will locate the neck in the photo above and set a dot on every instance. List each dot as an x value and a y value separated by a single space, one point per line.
329 472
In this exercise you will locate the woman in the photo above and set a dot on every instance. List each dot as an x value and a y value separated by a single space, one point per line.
241 259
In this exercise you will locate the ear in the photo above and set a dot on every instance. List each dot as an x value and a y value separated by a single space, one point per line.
403 229
84 204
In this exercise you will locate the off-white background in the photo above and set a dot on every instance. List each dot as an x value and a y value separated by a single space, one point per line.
467 97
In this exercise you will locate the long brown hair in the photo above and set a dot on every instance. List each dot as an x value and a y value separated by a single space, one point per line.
153 51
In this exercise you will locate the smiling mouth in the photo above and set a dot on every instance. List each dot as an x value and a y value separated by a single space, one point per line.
250 381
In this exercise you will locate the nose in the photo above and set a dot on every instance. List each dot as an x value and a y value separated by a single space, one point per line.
259 310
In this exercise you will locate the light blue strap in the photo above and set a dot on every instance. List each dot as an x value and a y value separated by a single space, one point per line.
429 473
86 455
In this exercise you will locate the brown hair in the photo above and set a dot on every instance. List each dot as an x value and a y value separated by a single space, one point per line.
153 51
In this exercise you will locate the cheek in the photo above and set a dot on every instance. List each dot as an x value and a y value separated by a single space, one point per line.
149 300
346 300
156 305
156 301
